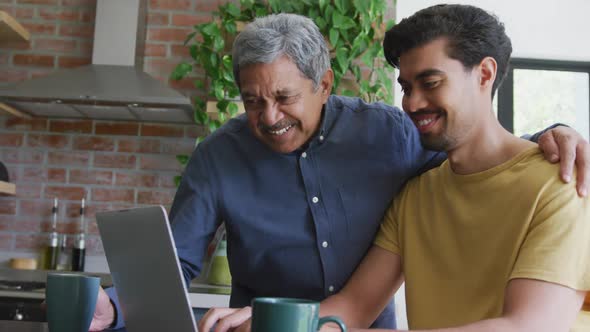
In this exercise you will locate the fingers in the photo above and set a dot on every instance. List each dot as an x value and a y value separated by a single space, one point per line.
583 168
245 327
226 318
548 145
228 323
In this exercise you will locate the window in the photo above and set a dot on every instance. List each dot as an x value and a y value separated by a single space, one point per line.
538 93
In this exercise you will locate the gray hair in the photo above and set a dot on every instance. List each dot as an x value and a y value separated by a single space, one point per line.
270 37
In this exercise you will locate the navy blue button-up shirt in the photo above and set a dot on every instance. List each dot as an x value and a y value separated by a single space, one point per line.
297 224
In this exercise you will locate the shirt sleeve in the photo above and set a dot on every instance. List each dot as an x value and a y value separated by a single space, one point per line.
194 215
557 246
388 235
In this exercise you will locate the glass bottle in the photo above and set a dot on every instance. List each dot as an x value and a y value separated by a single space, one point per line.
79 250
51 248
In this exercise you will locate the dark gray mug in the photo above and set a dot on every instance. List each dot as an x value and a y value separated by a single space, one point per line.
71 300
273 314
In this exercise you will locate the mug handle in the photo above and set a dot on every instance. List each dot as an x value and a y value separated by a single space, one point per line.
332 319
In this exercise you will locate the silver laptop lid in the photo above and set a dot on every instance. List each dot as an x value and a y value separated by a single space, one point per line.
145 270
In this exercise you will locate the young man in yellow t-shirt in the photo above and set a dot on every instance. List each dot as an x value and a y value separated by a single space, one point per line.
491 240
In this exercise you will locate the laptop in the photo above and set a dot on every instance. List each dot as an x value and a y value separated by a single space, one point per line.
145 270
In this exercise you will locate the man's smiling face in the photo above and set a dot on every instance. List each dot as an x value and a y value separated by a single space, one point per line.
440 94
283 108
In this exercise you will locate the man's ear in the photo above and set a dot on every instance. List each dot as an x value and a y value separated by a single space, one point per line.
326 84
487 72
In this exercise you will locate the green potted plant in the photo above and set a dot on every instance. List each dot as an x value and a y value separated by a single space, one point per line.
353 29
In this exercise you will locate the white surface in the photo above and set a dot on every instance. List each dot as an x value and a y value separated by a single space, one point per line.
542 29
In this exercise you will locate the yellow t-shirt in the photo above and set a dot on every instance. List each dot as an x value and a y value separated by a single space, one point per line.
463 237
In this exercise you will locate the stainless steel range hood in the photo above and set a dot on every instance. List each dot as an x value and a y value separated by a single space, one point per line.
114 87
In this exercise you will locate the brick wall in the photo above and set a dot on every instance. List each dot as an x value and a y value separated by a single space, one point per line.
112 164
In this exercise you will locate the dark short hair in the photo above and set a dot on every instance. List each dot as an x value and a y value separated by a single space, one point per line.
472 34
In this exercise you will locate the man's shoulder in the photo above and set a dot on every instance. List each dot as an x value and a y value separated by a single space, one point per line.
358 105
236 127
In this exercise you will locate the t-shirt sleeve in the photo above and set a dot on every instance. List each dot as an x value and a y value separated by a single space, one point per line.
557 245
388 235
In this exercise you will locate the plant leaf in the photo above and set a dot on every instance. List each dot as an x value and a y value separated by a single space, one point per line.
334 37
181 70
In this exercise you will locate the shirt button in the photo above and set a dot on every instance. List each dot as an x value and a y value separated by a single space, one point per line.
304 155
331 289
315 199
321 138
325 244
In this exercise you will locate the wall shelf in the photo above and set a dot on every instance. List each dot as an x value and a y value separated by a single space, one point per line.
11 30
7 188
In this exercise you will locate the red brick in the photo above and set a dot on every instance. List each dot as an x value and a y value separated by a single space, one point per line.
54 14
168 34
34 124
185 84
68 158
159 162
25 225
16 45
155 197
94 143
28 190
167 180
4 58
180 51
160 68
155 50
73 126
39 208
161 130
38 2
113 195
40 28
26 125
33 60
139 145
117 128
57 45
114 161
157 19
91 177
170 4
24 13
67 193
196 131
33 174
206 6
13 75
90 209
73 61
6 241
79 3
47 141
86 48
8 206
56 175
186 20
136 180
185 146
88 16
12 140
30 241
22 156
78 30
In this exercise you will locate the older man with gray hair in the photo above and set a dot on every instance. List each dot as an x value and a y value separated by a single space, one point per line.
302 180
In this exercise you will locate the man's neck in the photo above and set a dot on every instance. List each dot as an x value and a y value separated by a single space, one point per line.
487 146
